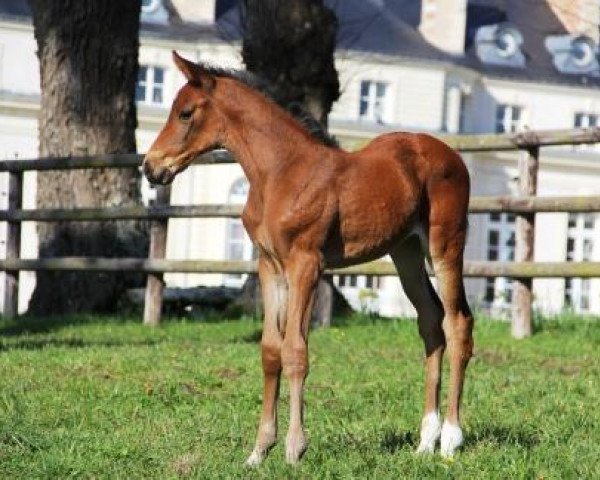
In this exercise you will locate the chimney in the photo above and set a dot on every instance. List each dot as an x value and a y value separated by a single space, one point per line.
202 11
443 24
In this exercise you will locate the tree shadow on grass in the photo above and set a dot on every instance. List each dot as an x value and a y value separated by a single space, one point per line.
30 324
42 343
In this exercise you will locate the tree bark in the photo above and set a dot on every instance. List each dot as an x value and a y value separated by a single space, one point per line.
88 66
291 44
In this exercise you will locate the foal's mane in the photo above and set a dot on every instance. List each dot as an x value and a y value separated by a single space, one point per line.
295 109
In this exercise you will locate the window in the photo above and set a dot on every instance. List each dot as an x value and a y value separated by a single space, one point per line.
149 6
500 247
373 97
346 281
585 120
579 248
358 281
150 85
237 244
361 291
508 118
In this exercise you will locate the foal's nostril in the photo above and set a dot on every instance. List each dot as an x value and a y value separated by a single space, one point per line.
164 176
154 175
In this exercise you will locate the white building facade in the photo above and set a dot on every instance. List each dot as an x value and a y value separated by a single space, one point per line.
404 73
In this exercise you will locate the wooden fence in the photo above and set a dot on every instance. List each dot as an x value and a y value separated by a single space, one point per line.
524 206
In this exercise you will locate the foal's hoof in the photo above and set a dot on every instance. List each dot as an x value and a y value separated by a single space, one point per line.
295 446
256 458
451 439
431 428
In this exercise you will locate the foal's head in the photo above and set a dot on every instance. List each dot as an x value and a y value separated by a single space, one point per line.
193 126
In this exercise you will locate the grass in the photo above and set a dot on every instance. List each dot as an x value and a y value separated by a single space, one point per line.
89 397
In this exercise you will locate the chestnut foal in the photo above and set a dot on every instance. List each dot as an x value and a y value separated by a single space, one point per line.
313 206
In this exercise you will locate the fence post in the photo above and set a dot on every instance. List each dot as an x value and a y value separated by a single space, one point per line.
13 245
158 249
524 243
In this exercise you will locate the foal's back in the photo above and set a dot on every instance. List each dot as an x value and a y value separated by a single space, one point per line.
386 190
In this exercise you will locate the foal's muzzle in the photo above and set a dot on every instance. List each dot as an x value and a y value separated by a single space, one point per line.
158 175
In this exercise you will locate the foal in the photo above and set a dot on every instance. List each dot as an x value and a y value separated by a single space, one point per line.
313 206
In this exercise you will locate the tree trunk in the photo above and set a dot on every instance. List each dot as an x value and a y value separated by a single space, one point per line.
88 66
291 44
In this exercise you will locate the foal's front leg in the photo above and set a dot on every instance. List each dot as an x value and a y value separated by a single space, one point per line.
274 294
302 272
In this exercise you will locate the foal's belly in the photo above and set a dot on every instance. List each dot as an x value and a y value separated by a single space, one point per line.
363 245
377 208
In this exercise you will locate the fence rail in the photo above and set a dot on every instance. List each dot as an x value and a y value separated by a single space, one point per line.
382 268
161 212
462 143
524 206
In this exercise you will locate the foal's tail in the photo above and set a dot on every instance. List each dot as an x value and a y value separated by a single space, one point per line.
447 184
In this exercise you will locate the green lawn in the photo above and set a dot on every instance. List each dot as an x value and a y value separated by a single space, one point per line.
106 398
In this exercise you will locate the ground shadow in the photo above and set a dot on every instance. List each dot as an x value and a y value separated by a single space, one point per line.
253 337
42 343
393 441
365 319
31 324
502 436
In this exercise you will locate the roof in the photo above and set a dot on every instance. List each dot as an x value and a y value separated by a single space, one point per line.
181 31
386 27
14 9
390 28
539 66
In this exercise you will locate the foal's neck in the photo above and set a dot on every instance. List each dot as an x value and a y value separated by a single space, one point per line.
262 136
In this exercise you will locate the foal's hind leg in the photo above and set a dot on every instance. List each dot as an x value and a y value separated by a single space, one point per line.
409 261
274 293
447 245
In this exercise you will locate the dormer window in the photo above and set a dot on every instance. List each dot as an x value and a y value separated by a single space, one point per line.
500 44
149 6
583 53
154 11
506 44
574 54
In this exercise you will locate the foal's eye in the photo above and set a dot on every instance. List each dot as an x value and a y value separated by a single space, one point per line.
186 114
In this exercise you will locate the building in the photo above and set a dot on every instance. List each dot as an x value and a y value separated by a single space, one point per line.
433 65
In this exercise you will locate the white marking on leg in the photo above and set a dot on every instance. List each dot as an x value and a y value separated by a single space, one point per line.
255 458
431 428
267 436
452 438
295 446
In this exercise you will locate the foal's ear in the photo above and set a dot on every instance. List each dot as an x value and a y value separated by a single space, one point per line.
194 73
